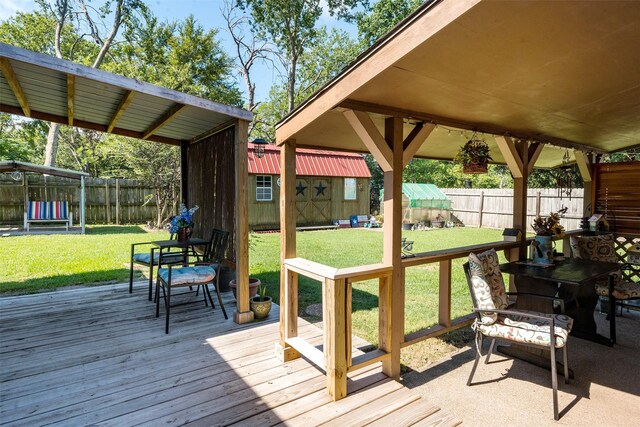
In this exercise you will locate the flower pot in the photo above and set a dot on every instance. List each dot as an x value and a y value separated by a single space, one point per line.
253 287
408 226
184 234
260 309
473 168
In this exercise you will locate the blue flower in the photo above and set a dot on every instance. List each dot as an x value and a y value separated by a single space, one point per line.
183 219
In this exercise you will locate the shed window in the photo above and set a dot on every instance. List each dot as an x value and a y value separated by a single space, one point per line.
263 188
350 192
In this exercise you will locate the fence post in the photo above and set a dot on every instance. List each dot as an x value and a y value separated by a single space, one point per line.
481 209
107 203
117 202
538 203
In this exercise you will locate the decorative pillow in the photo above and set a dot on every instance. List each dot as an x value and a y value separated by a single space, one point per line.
488 261
594 248
481 291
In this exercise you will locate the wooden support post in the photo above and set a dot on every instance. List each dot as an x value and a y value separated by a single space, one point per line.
288 281
335 352
117 201
444 303
586 171
184 172
242 314
392 245
481 209
384 313
107 201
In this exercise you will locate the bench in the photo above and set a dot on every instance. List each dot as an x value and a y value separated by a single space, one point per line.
41 212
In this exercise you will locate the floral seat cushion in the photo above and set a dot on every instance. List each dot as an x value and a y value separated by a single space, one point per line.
487 283
188 275
621 289
167 258
528 330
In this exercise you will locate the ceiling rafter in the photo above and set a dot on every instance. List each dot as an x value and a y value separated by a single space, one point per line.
162 121
71 93
15 86
534 152
124 103
510 153
414 140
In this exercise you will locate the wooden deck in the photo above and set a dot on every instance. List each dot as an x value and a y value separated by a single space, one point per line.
99 356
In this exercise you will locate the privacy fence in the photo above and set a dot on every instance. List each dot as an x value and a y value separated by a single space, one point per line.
493 208
108 201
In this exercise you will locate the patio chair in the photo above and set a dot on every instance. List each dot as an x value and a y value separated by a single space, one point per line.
601 248
202 272
151 259
496 320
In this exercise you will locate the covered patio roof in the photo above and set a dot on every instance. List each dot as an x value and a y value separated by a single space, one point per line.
47 88
566 74
12 165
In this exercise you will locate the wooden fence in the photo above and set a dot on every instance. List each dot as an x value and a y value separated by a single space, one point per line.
493 208
108 201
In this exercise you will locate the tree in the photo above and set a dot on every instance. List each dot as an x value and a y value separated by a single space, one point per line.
291 25
90 18
383 16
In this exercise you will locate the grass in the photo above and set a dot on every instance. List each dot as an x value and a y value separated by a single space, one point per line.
46 262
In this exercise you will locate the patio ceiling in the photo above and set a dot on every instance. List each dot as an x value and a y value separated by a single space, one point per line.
47 88
563 73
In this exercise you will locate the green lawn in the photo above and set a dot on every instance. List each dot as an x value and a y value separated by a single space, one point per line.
39 263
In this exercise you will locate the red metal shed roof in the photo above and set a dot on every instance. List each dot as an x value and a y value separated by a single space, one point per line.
310 163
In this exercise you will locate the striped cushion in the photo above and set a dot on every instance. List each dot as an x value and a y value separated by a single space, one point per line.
58 210
188 275
38 210
168 258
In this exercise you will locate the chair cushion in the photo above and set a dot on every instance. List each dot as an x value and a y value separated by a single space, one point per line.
481 291
621 289
188 275
594 248
167 258
488 262
524 329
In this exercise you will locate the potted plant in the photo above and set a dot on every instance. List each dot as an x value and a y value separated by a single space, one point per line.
474 156
261 303
546 229
182 224
254 284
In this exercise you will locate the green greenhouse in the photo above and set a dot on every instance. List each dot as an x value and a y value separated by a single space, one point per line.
424 204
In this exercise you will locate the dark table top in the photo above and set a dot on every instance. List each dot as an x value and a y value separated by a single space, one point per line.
574 271
195 241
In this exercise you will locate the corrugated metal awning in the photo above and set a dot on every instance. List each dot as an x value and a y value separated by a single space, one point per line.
52 89
310 163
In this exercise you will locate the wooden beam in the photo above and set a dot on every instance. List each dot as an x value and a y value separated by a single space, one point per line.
86 125
243 314
584 165
15 86
520 195
510 154
414 141
288 279
71 93
335 351
534 152
124 103
162 121
350 104
184 172
371 137
444 293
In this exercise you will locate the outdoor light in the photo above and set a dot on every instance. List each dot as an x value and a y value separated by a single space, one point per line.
258 147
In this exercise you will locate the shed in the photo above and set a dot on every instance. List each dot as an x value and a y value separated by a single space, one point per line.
330 185
423 202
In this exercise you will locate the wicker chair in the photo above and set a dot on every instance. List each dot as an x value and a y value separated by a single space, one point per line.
496 320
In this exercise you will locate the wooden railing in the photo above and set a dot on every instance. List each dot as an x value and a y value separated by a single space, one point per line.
336 359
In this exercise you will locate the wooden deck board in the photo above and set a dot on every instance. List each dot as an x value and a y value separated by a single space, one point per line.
99 356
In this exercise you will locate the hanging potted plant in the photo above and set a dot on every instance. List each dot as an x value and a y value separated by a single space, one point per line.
474 156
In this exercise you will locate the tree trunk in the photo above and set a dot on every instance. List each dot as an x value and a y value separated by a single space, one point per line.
52 145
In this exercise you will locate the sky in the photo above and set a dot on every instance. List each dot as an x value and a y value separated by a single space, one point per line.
208 14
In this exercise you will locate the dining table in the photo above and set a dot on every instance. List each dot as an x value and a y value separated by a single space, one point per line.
573 280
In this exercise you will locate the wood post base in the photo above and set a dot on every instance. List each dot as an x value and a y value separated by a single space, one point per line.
285 354
243 317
